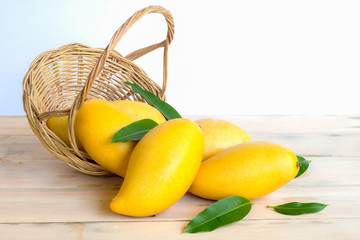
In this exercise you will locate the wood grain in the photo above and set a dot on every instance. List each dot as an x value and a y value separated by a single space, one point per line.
45 205
39 193
14 125
335 145
286 229
330 124
19 174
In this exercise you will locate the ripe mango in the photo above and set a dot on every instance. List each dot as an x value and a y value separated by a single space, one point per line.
220 135
162 167
58 125
96 122
250 170
140 110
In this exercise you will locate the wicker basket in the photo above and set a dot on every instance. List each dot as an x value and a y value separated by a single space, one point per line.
59 81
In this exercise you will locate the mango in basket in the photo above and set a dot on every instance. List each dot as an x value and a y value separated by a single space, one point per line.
249 170
139 110
58 125
98 120
161 169
220 135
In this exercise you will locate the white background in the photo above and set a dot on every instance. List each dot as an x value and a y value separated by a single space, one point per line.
227 57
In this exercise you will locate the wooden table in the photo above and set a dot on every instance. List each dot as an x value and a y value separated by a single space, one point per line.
43 198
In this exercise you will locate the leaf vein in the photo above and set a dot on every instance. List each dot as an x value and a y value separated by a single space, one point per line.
211 219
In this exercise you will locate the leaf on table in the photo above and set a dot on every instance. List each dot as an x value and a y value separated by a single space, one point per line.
298 208
304 165
134 131
166 109
220 213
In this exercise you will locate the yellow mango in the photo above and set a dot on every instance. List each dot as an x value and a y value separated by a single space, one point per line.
140 110
58 125
162 167
220 135
250 170
96 122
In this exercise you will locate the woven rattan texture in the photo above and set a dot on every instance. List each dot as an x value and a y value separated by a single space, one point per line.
59 81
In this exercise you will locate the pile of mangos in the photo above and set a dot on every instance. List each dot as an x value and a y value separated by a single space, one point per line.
210 158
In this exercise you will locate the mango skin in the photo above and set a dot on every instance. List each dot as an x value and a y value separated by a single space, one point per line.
220 135
58 125
161 169
96 122
250 170
140 110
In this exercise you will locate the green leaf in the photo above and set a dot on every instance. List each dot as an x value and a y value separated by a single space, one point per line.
134 131
220 213
304 164
298 208
166 109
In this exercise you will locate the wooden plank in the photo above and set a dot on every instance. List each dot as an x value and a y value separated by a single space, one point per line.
342 145
22 174
39 193
91 205
23 147
335 145
294 229
14 125
329 172
335 124
253 124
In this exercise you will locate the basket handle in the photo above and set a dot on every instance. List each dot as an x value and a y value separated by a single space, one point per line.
132 56
138 53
